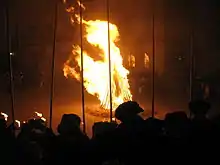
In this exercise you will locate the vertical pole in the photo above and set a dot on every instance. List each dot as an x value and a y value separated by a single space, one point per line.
53 64
192 60
153 65
191 68
109 57
82 67
10 54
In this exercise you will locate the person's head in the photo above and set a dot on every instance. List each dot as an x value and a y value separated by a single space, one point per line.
127 111
176 123
103 128
70 124
199 107
36 124
154 126
2 124
178 116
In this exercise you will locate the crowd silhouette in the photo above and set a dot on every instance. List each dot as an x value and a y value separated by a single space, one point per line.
132 141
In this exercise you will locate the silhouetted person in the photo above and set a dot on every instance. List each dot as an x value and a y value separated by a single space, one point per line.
199 109
33 142
70 141
176 124
131 128
102 142
176 127
203 131
7 143
101 129
128 112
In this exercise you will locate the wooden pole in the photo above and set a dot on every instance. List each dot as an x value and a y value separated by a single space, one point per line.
82 67
153 65
10 55
53 64
192 57
109 57
191 71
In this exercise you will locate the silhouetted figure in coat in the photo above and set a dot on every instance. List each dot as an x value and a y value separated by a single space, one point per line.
203 131
131 129
70 141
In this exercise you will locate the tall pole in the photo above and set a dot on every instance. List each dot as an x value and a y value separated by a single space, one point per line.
109 59
82 67
10 55
153 65
192 58
53 64
191 71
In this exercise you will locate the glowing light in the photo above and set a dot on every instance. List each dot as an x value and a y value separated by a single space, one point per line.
18 123
131 61
5 116
40 115
42 118
146 60
96 66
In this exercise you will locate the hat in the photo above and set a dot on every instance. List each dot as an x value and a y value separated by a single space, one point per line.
69 122
127 109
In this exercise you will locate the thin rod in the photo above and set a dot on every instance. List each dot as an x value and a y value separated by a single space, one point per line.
153 66
82 68
109 56
10 54
191 68
53 64
192 58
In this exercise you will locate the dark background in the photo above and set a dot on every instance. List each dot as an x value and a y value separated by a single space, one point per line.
31 29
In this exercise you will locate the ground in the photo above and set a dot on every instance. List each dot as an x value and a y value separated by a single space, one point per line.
67 99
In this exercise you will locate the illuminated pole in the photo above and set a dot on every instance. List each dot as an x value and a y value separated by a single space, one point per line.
153 66
10 54
82 67
53 64
109 57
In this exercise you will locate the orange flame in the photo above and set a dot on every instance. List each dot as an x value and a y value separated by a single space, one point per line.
96 72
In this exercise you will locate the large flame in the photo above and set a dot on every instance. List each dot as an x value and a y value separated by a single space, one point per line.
96 72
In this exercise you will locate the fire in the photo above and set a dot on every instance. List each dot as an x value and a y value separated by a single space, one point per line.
131 61
96 72
18 123
5 116
42 118
40 115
